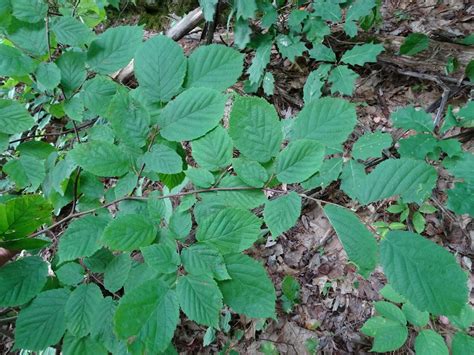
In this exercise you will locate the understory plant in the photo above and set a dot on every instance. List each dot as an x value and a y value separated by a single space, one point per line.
136 205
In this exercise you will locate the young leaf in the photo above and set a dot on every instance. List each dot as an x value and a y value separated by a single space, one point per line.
215 66
81 307
425 273
43 322
415 316
14 118
390 294
390 311
290 46
201 259
192 114
214 150
356 10
113 49
358 242
151 312
370 145
81 238
250 172
249 291
116 272
281 213
327 120
299 160
100 158
200 299
411 118
160 67
389 335
428 342
291 288
361 54
22 280
162 159
255 129
414 44
231 230
343 80
418 222
328 172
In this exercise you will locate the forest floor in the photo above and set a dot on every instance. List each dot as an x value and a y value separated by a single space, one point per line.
334 300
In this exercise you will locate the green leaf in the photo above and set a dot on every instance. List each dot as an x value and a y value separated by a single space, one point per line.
418 146
73 70
353 179
162 257
150 311
22 280
322 53
328 172
242 32
97 94
412 179
160 67
244 199
25 172
389 334
71 31
200 177
462 344
81 238
327 10
425 273
418 222
230 230
100 158
315 82
428 342
358 242
457 200
255 129
14 118
199 259
162 159
73 345
129 119
390 311
215 66
361 54
250 172
48 75
461 167
208 8
371 145
390 294
114 48
299 160
81 307
200 299
260 61
282 213
250 290
355 12
327 120
245 8
414 44
30 37
415 316
29 10
116 272
43 322
129 232
14 63
343 80
411 118
22 215
290 46
70 274
24 243
214 150
291 288
192 114
465 319
180 224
